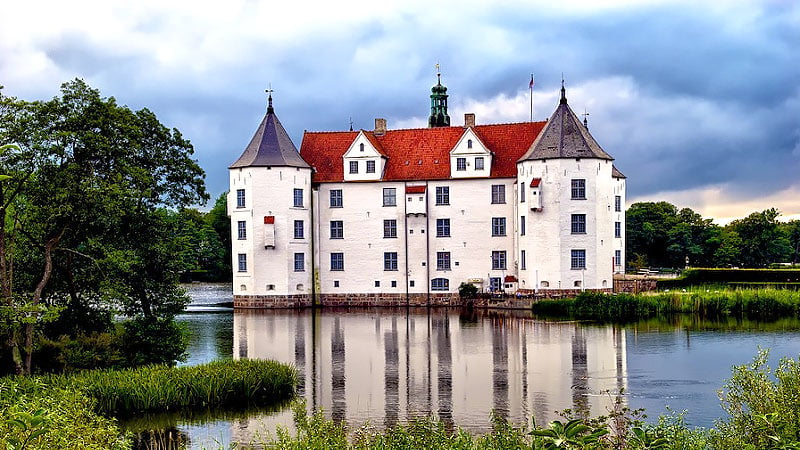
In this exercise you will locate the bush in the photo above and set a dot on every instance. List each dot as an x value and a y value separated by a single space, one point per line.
467 290
150 340
38 415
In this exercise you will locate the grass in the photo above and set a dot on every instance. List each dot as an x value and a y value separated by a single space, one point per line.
75 411
712 301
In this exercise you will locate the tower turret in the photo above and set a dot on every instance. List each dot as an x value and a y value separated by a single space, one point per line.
438 117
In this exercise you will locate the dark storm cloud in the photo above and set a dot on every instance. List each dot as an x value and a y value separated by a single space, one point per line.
683 96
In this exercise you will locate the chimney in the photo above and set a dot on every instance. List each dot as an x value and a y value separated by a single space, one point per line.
380 126
469 120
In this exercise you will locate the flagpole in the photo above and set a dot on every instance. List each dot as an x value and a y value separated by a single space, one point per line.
530 86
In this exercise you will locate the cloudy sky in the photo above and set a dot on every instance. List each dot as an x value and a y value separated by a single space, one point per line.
698 101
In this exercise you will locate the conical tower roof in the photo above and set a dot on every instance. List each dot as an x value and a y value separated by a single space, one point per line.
270 146
564 137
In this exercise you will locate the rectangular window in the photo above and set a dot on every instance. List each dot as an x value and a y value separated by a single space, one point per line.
240 198
578 259
579 189
241 228
498 193
461 164
522 263
442 227
389 228
440 284
522 225
336 198
377 283
617 229
389 197
494 284
353 166
242 262
299 262
498 226
442 260
298 229
579 224
617 257
337 229
370 166
479 163
390 261
337 261
442 195
298 198
617 203
522 193
499 260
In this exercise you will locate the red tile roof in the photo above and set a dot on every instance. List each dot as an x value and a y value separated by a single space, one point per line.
419 154
536 182
415 189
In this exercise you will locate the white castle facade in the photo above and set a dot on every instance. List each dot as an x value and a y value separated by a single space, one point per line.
404 217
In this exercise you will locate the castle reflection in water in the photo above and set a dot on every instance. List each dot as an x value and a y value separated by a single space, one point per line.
384 366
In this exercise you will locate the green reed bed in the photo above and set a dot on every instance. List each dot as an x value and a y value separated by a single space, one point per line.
221 384
765 304
75 411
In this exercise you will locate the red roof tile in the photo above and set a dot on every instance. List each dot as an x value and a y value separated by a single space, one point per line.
419 154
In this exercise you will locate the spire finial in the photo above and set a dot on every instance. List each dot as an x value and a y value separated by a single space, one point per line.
351 123
438 74
269 92
563 91
585 121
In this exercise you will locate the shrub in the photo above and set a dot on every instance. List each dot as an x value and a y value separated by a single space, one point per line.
467 290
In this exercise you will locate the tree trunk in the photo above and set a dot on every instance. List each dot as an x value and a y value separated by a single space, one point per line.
37 296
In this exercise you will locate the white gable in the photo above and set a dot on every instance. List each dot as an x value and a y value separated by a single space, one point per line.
362 161
470 158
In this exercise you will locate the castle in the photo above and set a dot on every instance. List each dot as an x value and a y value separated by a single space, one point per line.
403 217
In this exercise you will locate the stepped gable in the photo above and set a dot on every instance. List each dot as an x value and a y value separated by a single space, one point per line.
419 154
564 137
270 146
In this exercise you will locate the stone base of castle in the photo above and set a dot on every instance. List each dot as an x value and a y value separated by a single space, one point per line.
396 300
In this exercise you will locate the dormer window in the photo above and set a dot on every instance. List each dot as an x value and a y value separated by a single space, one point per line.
370 166
361 147
469 143
479 163
461 164
353 166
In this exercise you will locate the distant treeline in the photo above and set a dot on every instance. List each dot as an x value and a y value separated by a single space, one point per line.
658 234
208 235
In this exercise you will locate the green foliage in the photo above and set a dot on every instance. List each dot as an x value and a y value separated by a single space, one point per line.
37 415
467 290
161 388
150 340
764 304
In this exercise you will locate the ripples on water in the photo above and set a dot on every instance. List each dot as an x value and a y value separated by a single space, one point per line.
385 365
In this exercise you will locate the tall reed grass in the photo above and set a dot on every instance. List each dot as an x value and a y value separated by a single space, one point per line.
762 304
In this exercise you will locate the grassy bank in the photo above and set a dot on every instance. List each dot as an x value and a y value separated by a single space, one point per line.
761 304
58 408
762 406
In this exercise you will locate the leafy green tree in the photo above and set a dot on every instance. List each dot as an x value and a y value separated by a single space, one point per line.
791 230
647 227
84 211
762 242
218 219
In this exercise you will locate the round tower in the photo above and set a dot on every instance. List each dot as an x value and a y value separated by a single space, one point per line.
567 195
269 204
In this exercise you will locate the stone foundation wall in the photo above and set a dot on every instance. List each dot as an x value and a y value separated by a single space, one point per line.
271 301
373 300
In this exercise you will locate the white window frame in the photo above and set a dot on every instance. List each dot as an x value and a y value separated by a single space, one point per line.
389 197
442 227
499 260
498 226
498 194
337 229
241 229
337 198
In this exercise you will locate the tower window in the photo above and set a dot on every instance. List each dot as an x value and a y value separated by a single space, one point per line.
298 229
240 198
242 262
298 198
578 189
241 228
579 224
578 259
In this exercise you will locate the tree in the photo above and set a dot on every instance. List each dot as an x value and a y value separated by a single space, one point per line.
91 180
762 242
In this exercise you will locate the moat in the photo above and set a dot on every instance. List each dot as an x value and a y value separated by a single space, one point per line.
384 365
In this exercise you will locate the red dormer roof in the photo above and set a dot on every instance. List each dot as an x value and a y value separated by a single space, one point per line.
536 182
415 189
419 154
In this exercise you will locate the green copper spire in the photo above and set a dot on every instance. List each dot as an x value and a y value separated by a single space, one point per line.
439 117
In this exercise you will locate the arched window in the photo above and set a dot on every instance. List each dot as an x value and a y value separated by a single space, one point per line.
577 283
361 147
545 284
469 143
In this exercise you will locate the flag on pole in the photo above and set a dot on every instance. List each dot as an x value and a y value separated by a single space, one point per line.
531 85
